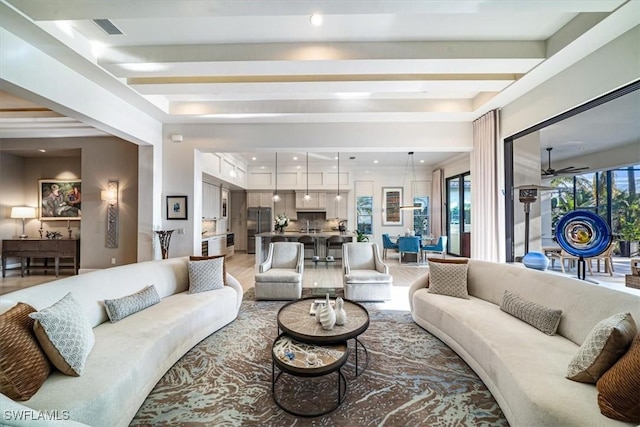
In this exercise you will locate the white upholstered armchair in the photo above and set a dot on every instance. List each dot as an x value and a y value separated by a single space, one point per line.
366 277
280 276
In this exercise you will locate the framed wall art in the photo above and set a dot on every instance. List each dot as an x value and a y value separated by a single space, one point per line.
391 201
60 199
177 207
225 203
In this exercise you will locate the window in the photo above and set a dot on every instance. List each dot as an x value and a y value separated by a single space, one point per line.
364 214
421 224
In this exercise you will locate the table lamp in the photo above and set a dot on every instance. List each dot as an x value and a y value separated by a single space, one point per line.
23 212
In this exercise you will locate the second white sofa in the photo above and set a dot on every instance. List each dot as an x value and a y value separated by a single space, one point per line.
523 368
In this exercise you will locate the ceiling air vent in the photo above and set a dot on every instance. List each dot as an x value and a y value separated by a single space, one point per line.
108 27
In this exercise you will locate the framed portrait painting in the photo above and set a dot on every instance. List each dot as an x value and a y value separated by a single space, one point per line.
177 207
391 201
60 199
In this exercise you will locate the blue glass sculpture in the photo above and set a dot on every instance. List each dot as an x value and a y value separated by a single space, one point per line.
536 261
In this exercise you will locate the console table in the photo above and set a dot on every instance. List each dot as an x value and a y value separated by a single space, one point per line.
40 248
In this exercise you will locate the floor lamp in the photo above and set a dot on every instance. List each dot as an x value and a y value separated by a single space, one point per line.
528 194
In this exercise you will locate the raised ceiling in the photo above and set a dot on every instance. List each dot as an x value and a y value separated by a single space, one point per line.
236 62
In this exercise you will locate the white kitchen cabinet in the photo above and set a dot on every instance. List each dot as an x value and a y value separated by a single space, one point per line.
317 202
337 209
286 205
210 201
259 199
217 245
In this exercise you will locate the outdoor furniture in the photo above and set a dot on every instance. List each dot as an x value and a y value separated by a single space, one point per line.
606 256
440 247
366 277
563 256
387 244
411 245
280 276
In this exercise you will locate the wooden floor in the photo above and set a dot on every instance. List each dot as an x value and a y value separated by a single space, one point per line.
242 267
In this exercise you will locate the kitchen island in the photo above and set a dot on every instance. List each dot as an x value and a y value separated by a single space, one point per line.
320 238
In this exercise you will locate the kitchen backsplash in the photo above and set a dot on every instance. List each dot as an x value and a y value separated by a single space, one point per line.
314 224
213 226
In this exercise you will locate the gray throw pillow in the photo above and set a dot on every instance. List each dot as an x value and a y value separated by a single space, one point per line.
602 348
118 309
540 317
206 275
448 279
65 335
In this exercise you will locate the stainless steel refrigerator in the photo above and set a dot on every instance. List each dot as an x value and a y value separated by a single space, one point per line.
258 221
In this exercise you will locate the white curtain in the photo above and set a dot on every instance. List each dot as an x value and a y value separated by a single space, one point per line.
437 203
484 188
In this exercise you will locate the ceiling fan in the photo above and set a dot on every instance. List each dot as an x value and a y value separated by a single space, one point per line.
553 172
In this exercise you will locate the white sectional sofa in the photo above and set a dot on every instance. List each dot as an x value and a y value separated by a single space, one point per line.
523 368
130 356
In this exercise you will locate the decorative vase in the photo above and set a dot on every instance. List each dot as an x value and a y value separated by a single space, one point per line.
536 261
341 315
327 316
165 238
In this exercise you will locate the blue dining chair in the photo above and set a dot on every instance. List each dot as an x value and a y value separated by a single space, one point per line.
409 244
387 244
440 247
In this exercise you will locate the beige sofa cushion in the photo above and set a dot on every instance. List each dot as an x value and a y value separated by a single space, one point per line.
540 317
279 275
448 279
606 343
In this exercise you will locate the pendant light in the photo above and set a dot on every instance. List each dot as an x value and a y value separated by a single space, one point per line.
276 197
413 177
338 196
307 197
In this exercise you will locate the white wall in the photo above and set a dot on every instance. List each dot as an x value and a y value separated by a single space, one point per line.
12 171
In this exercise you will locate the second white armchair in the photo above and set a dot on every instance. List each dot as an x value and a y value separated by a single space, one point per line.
366 277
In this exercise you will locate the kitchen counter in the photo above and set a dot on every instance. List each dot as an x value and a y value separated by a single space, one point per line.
288 234
263 240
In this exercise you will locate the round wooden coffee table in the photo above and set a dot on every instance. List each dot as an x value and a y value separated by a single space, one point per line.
308 360
295 321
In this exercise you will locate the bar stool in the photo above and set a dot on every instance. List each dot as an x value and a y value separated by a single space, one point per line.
335 243
309 244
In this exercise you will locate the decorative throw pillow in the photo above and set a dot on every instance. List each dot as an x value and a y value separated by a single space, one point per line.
23 364
604 345
205 258
619 387
65 335
448 279
537 315
206 275
118 309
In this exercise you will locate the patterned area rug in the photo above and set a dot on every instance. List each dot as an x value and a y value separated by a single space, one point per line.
412 379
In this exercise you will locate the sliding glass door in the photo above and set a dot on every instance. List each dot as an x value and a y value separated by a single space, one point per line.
459 215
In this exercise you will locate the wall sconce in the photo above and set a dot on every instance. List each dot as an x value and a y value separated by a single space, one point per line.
111 197
23 212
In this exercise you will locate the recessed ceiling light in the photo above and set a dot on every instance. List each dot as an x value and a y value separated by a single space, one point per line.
42 150
422 161
295 158
261 167
298 167
254 158
315 19
334 166
335 158
375 161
